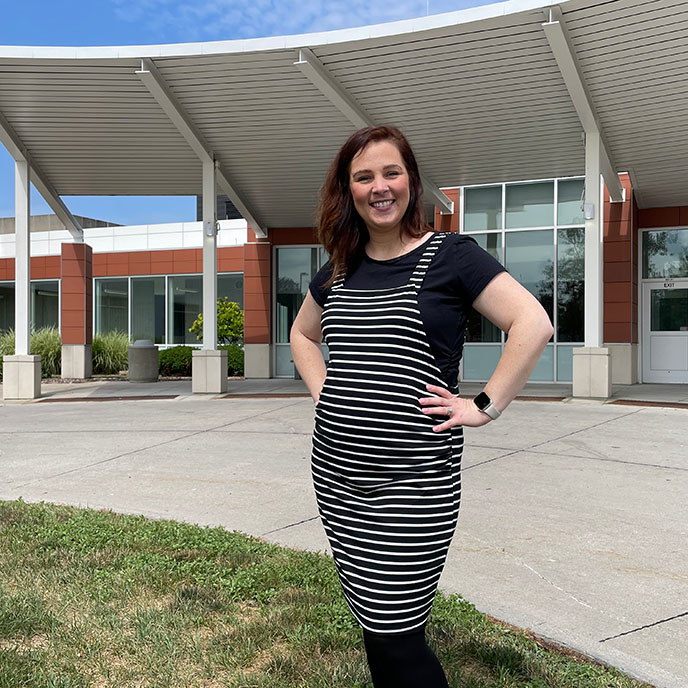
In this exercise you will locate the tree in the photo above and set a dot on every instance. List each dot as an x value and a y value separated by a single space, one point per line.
230 323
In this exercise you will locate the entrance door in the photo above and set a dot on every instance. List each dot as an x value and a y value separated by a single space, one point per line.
665 331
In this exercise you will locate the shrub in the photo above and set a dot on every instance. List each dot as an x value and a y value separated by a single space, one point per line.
45 342
235 359
176 361
110 353
230 323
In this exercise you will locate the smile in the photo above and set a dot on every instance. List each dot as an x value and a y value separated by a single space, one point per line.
382 204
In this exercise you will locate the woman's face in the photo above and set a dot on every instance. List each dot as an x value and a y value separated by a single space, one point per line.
379 185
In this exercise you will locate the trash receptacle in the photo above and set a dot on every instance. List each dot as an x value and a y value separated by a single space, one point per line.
143 361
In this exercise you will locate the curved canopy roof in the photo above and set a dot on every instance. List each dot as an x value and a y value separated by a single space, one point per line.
479 93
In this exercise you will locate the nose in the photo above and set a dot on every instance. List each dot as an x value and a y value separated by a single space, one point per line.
380 184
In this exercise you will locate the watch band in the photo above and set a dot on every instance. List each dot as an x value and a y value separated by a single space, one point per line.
484 404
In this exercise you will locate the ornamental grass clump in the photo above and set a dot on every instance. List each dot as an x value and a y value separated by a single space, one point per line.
46 342
110 353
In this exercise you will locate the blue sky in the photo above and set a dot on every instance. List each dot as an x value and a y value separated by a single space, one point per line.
136 22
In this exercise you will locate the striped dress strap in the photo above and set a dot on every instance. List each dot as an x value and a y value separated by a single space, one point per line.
424 263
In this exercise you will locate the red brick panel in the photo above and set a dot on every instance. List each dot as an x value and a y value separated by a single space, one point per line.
288 236
76 301
659 217
257 295
448 223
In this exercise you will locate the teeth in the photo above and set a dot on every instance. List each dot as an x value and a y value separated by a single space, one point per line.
382 204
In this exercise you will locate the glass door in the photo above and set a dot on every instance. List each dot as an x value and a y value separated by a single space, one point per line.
665 331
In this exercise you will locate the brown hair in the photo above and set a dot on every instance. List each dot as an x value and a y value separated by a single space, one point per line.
340 229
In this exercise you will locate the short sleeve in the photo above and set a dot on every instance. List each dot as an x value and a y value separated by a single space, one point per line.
474 266
318 292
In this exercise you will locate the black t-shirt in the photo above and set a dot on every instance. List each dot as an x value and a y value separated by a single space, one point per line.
459 271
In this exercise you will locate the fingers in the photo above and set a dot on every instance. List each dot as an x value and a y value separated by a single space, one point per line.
441 391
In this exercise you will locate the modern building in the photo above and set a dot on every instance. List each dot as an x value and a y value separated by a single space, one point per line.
552 134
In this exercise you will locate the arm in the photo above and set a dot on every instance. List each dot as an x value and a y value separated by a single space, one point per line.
518 313
305 338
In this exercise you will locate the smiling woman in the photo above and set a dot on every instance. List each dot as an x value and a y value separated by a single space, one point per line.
391 304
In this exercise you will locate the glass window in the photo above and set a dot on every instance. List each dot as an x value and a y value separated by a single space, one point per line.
492 243
569 201
530 260
544 370
6 306
231 285
296 267
482 208
669 310
665 253
148 309
44 304
112 305
530 205
565 363
570 284
479 362
184 303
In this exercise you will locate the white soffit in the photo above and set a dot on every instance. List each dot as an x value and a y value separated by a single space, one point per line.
478 93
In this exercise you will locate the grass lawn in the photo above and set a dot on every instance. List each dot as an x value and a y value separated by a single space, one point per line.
90 598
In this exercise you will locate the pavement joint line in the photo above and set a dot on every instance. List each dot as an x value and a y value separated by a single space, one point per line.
609 460
136 451
641 628
553 439
291 525
520 562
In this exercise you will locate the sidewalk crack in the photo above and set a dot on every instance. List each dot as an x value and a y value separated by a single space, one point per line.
641 628
291 525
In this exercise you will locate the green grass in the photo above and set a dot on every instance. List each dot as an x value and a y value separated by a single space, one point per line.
96 599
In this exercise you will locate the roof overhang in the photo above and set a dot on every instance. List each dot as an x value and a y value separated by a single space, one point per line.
479 93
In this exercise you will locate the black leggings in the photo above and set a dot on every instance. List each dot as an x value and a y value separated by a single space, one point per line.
403 660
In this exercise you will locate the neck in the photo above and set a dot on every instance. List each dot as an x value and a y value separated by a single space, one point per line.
390 244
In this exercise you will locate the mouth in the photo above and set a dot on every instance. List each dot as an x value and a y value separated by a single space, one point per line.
382 204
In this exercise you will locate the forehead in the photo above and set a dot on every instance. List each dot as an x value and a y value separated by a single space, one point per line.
377 154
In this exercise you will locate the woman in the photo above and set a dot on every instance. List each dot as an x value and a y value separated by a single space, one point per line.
392 304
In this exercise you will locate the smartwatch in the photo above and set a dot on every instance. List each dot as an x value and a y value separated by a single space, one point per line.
484 404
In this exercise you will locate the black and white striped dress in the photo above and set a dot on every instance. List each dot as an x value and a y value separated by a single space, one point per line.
388 487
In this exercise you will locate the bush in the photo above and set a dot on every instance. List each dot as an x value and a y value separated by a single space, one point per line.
235 359
176 361
46 342
110 353
230 323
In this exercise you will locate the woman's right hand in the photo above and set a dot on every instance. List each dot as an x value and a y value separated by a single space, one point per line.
306 350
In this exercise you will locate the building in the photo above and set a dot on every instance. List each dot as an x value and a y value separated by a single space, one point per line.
516 111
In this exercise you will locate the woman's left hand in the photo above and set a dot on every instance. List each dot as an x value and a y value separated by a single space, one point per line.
463 411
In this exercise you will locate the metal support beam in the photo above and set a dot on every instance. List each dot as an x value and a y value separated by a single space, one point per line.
18 151
209 256
594 257
317 74
565 55
159 89
22 260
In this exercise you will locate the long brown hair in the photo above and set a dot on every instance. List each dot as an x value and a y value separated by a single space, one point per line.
340 229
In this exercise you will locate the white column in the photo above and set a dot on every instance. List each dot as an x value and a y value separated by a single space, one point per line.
22 261
592 366
209 366
594 257
209 256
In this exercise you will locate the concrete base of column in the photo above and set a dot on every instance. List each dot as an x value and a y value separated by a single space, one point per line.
77 361
257 361
624 363
209 371
592 372
21 377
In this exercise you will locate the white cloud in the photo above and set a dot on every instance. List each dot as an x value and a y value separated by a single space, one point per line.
184 20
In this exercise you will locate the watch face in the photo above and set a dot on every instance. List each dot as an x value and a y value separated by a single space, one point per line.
482 401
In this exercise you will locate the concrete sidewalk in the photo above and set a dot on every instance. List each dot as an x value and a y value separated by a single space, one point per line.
573 522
